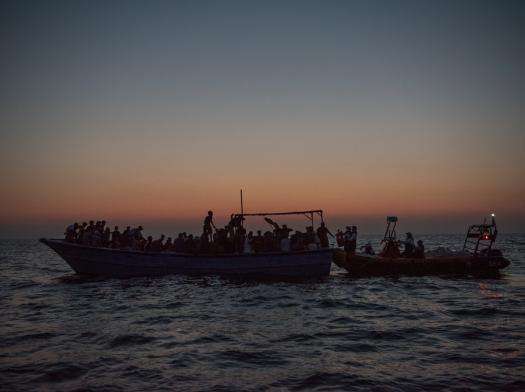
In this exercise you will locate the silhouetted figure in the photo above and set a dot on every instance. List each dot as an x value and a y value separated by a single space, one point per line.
368 249
80 234
168 245
190 245
148 246
127 237
102 226
258 242
157 245
239 239
286 244
106 237
297 241
115 238
409 245
268 242
312 241
322 233
71 232
209 226
179 243
350 243
96 237
136 238
248 248
419 252
340 238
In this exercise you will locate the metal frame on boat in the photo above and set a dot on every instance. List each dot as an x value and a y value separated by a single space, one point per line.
478 259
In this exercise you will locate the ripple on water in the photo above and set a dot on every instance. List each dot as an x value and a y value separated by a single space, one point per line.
296 337
60 371
130 340
67 332
266 358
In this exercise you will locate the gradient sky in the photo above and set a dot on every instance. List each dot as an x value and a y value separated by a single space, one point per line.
158 111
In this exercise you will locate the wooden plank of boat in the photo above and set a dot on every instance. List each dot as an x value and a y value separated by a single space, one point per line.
90 260
366 265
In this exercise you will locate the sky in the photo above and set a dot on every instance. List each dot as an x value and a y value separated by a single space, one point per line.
154 112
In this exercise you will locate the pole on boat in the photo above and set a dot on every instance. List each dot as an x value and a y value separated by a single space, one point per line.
242 205
242 210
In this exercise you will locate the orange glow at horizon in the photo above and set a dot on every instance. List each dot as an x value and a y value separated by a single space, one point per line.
131 180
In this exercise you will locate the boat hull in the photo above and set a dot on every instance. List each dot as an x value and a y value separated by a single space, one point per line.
89 260
364 265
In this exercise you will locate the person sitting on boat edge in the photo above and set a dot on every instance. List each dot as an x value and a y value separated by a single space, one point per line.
419 252
71 232
409 245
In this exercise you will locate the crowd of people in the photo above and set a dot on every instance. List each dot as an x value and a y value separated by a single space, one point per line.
232 238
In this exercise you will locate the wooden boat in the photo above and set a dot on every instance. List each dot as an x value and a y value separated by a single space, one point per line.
477 258
91 260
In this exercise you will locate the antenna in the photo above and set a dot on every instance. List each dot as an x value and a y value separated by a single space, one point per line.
242 204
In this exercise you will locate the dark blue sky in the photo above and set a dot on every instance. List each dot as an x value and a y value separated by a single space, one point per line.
373 89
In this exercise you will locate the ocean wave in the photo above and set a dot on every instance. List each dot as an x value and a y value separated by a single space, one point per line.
68 332
130 340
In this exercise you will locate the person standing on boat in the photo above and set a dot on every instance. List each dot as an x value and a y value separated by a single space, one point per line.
350 239
322 233
106 236
115 238
258 242
409 245
247 248
209 226
81 231
285 244
340 238
167 247
419 253
137 237
179 244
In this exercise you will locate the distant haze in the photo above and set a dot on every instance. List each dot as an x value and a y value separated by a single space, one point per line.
154 112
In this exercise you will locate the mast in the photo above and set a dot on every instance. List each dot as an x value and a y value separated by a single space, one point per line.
242 205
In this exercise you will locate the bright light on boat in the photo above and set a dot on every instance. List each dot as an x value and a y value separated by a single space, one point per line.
493 215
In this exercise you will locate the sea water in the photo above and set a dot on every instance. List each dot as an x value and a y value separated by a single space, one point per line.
59 331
